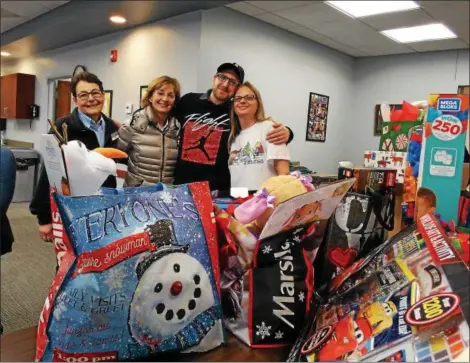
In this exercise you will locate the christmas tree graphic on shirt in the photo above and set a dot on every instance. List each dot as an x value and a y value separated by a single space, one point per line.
247 155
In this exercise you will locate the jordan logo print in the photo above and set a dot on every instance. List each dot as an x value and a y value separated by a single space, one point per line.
201 144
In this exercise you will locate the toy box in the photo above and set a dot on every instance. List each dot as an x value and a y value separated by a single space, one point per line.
407 300
386 159
441 162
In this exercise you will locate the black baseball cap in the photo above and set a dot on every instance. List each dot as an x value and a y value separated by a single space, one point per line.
234 67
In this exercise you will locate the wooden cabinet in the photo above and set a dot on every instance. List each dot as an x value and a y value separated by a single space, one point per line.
17 94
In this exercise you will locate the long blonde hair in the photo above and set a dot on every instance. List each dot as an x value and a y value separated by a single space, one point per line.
158 83
235 123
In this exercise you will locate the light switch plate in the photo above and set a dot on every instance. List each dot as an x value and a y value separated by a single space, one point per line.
129 108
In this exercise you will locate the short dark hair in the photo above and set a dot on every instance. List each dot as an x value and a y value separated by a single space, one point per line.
86 77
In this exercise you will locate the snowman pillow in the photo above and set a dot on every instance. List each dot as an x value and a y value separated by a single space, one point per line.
138 278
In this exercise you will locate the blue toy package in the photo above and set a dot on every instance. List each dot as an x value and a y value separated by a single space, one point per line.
140 277
442 157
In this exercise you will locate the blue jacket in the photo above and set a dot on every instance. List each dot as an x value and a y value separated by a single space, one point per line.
7 188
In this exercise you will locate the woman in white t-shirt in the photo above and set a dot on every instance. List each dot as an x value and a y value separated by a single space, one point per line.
253 159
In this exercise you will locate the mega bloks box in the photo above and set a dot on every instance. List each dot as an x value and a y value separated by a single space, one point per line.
441 163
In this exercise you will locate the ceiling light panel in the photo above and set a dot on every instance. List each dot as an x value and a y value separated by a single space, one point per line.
359 9
420 33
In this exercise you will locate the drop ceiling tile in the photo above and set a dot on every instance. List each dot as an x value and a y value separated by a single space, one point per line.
321 39
349 31
28 9
52 4
345 49
457 5
450 13
7 24
400 19
277 20
246 8
278 5
462 30
388 47
455 16
435 45
5 14
316 13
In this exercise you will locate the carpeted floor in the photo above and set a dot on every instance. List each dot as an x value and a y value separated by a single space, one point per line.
26 273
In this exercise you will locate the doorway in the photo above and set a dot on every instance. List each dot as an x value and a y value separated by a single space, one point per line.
60 97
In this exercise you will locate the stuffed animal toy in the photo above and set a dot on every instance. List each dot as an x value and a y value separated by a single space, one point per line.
251 216
86 170
255 212
95 165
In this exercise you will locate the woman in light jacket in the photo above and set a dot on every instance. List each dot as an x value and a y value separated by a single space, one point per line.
151 138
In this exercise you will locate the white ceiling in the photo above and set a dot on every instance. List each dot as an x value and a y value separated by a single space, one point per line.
360 37
14 13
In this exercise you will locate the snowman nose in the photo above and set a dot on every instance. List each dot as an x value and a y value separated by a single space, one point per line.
176 288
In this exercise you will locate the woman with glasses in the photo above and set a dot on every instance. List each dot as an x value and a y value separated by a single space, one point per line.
253 159
151 138
87 124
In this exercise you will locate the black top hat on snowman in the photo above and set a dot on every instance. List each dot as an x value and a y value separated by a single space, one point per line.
161 234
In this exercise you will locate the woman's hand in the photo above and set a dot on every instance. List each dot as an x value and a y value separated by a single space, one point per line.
279 134
45 232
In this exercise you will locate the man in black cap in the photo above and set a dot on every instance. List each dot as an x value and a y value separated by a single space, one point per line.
205 118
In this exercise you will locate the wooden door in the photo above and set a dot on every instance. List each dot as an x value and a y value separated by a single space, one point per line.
8 96
24 95
63 99
465 90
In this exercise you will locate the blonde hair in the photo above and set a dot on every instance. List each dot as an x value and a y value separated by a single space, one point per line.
158 83
259 115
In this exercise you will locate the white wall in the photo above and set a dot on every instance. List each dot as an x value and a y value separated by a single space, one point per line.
167 47
392 79
285 68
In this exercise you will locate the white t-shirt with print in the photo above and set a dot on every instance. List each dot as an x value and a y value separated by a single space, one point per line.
252 157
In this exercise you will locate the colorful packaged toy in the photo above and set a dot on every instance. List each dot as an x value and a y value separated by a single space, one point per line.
138 277
441 164
407 300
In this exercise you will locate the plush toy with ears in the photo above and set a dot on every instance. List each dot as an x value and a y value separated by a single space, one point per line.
86 169
255 212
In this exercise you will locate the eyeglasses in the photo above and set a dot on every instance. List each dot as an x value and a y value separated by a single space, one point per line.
223 78
83 96
247 98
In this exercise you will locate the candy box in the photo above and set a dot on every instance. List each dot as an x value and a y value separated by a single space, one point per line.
138 277
379 179
386 159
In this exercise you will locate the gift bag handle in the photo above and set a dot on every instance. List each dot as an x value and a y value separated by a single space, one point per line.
378 204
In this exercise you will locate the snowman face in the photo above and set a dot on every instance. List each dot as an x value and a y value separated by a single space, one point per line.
171 293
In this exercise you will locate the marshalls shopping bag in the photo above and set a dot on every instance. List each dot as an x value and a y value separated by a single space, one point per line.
267 278
137 277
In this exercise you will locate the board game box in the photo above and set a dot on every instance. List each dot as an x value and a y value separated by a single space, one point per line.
407 300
